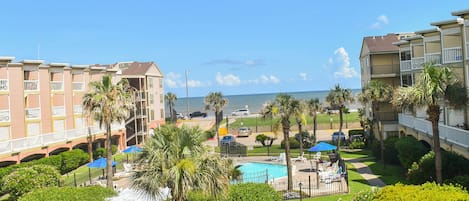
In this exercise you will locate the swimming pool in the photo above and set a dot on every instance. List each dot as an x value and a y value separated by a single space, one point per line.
260 172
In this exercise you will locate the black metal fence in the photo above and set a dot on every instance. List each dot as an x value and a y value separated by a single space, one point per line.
233 150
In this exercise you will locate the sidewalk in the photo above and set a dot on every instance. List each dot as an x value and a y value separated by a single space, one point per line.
366 172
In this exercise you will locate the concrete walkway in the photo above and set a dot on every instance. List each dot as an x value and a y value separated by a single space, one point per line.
366 172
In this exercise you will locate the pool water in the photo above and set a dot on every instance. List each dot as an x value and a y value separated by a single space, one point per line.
261 172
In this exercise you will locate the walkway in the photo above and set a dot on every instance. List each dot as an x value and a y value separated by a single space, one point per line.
365 172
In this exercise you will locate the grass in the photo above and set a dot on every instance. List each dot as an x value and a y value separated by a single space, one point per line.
391 174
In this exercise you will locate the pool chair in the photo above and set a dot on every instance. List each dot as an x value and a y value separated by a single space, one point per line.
317 156
299 158
279 158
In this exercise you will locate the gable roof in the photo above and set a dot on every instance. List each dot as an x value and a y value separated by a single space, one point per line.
378 44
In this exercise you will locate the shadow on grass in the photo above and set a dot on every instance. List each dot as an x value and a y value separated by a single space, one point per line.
389 174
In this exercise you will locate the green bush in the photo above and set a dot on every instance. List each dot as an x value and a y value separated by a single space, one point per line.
427 191
99 152
462 180
89 193
72 159
294 144
356 132
26 179
199 196
424 170
390 151
409 150
114 149
357 145
253 192
365 195
210 134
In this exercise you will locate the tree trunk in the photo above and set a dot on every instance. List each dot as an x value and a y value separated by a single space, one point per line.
286 131
216 127
380 134
108 157
433 112
300 128
315 127
90 145
341 122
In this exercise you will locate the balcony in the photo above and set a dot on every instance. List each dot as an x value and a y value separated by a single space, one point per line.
3 85
448 134
57 85
77 109
467 50
58 111
406 65
78 86
33 113
385 70
4 115
31 85
417 63
435 58
452 55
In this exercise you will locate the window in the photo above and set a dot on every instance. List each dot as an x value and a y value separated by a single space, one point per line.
161 98
150 82
151 98
407 80
152 115
161 113
405 56
161 83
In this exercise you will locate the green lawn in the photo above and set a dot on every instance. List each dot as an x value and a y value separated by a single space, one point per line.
391 174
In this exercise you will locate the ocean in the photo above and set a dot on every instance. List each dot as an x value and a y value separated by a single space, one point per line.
254 102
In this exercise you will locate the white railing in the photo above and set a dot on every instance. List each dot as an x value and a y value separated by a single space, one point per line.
452 55
78 86
58 111
467 50
417 63
57 85
449 134
77 109
4 115
435 58
406 65
17 145
31 85
33 113
3 85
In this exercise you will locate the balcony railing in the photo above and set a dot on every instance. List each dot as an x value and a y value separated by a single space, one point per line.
77 109
3 85
452 55
58 111
33 113
467 50
417 63
435 58
57 85
406 65
449 134
385 69
31 85
43 140
4 115
78 86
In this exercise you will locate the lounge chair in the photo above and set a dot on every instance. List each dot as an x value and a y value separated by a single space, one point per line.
317 156
280 158
299 158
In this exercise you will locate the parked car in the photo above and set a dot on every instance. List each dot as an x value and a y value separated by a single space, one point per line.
241 112
335 136
198 114
228 140
180 116
244 132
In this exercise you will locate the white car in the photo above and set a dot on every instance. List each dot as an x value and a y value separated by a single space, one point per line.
241 112
180 116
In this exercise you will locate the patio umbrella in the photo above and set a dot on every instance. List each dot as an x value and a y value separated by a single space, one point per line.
132 149
98 163
322 146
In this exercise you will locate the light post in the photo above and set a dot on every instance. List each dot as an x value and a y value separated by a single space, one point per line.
256 123
301 193
330 120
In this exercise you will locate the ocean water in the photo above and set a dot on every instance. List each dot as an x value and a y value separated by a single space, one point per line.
254 102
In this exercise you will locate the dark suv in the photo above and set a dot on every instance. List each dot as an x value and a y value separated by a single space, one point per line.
198 114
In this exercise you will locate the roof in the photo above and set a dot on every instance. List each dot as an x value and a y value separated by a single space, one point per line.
427 31
381 43
446 22
137 68
460 13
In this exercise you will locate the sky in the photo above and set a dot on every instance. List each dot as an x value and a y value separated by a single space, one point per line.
234 47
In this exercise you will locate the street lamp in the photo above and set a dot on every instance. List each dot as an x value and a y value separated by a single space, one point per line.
330 120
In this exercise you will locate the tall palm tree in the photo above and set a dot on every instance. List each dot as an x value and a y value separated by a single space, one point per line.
109 103
300 119
314 106
216 102
434 86
284 106
171 98
176 158
338 98
377 92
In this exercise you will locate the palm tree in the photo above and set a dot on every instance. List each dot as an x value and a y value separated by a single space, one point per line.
176 158
285 107
109 103
314 106
338 98
171 98
216 102
300 118
377 92
434 86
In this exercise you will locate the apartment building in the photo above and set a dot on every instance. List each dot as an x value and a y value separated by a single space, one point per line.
446 44
41 109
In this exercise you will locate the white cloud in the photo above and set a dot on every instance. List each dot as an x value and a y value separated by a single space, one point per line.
380 22
269 79
342 58
303 76
227 80
173 80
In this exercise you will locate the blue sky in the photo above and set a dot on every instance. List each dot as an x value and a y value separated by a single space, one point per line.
236 47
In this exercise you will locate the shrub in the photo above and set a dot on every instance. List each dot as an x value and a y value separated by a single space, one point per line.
427 191
89 193
294 144
462 180
99 152
114 149
356 132
210 134
357 145
424 170
72 159
26 179
390 151
199 196
409 150
253 192
365 195
307 138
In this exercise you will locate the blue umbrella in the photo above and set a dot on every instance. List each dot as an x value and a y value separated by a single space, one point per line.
322 146
132 149
100 163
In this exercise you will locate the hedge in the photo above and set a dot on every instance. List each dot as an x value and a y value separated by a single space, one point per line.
294 144
427 191
253 192
89 193
409 150
390 151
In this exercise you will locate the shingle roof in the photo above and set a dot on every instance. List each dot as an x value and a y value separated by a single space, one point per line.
137 68
381 43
